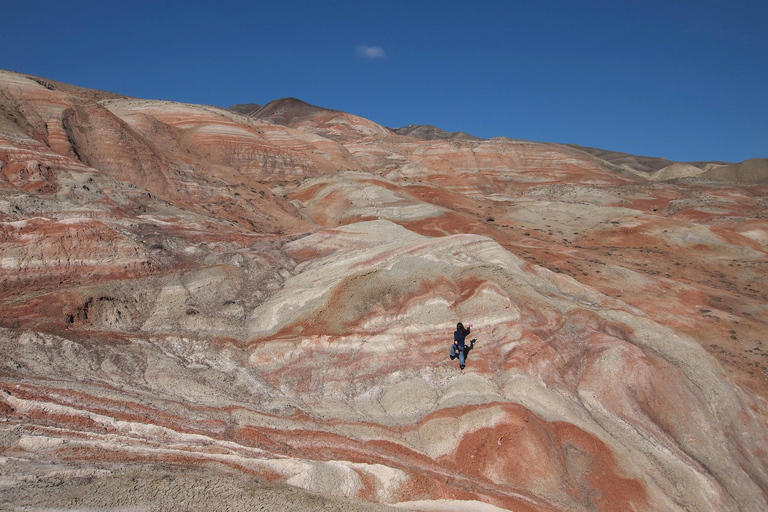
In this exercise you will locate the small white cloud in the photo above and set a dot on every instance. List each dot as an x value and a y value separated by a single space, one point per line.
371 52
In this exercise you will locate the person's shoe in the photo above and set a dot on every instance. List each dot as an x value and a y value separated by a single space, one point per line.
453 357
461 366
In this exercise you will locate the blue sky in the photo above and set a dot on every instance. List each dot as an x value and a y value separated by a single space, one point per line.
683 79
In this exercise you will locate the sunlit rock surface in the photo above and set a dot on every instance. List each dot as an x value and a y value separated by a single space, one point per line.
676 171
234 309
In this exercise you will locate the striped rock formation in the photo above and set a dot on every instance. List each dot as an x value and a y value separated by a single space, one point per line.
201 308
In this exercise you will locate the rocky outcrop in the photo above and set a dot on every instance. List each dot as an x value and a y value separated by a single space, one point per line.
223 307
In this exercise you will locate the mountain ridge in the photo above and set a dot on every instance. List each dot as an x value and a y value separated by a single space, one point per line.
291 109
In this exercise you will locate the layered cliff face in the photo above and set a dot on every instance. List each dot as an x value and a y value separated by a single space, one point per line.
234 309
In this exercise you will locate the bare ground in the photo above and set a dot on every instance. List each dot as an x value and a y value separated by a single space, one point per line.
28 486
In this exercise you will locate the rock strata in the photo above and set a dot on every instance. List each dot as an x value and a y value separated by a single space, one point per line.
226 309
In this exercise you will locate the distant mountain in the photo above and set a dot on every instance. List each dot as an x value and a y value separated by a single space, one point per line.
247 109
754 170
287 110
290 111
295 113
644 164
429 132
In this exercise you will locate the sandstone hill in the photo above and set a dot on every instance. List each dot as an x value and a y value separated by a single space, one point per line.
203 308
676 171
754 170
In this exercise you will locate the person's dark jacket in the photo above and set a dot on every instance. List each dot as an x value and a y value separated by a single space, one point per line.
458 337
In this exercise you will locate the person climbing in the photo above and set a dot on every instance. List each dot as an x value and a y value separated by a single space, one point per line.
459 348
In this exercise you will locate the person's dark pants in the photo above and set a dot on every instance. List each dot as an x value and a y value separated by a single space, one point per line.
461 352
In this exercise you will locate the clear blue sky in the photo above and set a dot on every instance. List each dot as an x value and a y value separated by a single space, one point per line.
683 79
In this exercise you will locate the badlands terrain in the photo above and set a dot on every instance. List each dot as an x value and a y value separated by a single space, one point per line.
251 309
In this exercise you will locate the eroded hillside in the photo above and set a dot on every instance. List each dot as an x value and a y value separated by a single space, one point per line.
195 298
